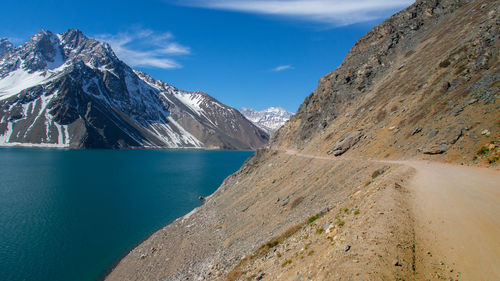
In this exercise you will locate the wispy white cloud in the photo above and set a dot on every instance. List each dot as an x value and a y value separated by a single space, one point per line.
334 12
147 48
282 68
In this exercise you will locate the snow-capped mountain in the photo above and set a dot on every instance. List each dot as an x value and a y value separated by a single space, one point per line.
269 120
67 90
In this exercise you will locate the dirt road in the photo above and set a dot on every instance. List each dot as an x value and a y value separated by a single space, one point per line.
457 213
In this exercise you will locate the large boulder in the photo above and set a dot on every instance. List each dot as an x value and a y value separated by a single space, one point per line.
436 149
345 142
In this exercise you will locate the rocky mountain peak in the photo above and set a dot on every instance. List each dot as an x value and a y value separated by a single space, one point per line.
47 51
270 119
82 95
41 52
73 39
5 46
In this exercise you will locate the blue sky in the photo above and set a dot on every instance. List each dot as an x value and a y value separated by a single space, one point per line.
251 53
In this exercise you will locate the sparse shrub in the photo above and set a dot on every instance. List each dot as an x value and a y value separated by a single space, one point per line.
278 255
368 183
313 218
340 223
483 150
320 230
445 63
310 253
494 158
346 210
272 244
356 212
287 262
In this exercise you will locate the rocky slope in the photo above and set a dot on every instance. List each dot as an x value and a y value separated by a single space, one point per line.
67 90
331 198
269 120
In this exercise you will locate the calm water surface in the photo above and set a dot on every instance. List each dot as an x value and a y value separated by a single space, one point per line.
70 214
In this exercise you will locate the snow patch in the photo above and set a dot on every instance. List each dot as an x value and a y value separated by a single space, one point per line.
58 59
6 135
19 80
191 100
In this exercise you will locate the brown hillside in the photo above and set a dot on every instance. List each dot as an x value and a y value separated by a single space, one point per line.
340 195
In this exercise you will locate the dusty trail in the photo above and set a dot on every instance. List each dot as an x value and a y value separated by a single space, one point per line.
457 213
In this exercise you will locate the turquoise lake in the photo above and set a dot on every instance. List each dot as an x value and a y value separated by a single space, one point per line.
71 214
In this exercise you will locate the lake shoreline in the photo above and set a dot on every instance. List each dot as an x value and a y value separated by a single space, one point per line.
84 210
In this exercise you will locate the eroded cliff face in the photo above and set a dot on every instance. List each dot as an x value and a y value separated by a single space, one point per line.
323 203
424 81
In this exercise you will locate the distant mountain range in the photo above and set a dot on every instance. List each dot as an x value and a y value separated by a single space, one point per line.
68 90
269 120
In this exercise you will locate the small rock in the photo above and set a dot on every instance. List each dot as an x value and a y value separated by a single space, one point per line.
416 131
445 86
397 185
485 132
473 101
378 172
201 198
397 263
285 202
346 248
457 110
